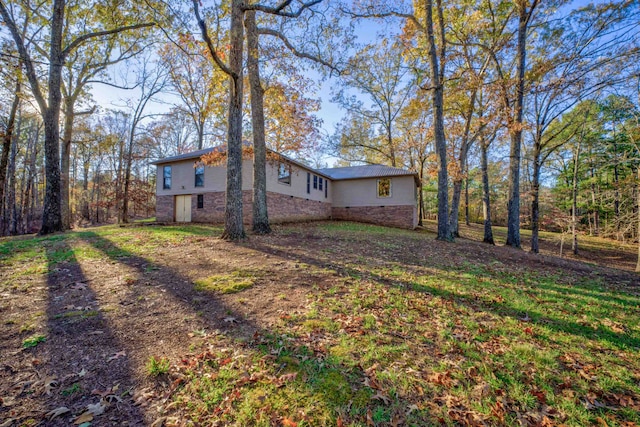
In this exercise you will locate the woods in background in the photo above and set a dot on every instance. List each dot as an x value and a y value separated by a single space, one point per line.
520 113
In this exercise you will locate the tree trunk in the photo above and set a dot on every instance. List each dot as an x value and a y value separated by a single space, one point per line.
455 208
638 202
10 207
437 96
200 127
513 205
260 214
233 225
466 199
574 197
486 199
6 144
124 212
421 196
535 203
65 154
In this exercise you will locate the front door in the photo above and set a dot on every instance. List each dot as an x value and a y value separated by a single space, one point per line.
183 208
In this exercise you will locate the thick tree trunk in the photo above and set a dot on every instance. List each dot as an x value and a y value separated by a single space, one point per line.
486 196
535 203
455 207
260 214
52 214
421 196
513 204
200 127
10 207
233 226
437 97
65 154
124 212
466 199
6 144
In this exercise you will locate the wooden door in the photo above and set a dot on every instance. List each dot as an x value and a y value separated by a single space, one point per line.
183 208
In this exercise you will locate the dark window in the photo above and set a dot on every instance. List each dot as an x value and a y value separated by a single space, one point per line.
166 177
384 187
308 183
200 201
284 173
315 182
326 188
200 176
320 186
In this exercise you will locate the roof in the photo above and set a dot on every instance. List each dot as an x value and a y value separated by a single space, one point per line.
336 174
186 156
366 171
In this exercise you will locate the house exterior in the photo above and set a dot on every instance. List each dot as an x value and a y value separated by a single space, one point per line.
187 191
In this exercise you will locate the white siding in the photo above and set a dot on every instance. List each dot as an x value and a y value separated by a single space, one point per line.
364 192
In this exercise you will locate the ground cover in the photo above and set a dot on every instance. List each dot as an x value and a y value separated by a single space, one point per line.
317 324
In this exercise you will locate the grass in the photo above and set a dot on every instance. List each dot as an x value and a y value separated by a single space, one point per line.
230 283
157 367
33 341
395 329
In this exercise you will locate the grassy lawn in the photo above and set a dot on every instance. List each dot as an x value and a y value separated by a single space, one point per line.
317 324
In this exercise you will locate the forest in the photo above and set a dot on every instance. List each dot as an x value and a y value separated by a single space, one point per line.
518 113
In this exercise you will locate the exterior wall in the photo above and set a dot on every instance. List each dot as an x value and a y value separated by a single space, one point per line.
281 208
364 192
215 179
402 216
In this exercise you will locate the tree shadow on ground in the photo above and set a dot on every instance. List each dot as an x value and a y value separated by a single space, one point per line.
78 334
505 309
213 314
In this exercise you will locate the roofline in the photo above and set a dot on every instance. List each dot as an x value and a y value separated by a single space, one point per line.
295 162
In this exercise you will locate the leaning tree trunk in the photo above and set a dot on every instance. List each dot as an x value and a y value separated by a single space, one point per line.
486 199
233 225
260 214
535 203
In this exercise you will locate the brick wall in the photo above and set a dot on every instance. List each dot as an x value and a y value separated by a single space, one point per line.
404 216
164 208
281 208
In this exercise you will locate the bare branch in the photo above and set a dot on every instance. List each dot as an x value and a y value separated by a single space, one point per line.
83 38
278 10
207 40
296 52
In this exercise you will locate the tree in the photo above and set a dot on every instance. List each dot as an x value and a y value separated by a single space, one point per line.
50 108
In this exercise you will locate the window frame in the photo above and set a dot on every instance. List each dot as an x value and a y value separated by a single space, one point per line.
166 177
315 182
320 183
284 178
308 182
197 168
389 192
200 201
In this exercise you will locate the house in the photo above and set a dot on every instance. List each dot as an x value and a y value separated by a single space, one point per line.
188 191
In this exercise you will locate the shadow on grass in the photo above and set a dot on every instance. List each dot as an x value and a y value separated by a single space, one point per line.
78 333
320 379
475 302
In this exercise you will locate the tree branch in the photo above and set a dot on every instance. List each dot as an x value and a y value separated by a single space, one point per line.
296 52
278 10
207 40
83 38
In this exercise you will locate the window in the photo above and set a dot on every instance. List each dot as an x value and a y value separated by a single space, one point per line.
199 175
200 201
384 187
308 183
315 182
326 188
320 186
166 177
284 173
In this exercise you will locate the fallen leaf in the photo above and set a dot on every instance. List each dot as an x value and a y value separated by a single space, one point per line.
288 422
117 355
96 408
85 417
382 397
7 423
49 384
78 286
82 373
230 320
57 412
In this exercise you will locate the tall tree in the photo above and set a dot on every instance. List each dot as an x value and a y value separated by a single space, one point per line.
58 54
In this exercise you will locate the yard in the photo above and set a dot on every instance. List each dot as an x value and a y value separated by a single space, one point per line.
329 323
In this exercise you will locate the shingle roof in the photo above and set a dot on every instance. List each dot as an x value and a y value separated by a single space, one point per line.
186 156
337 174
366 171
